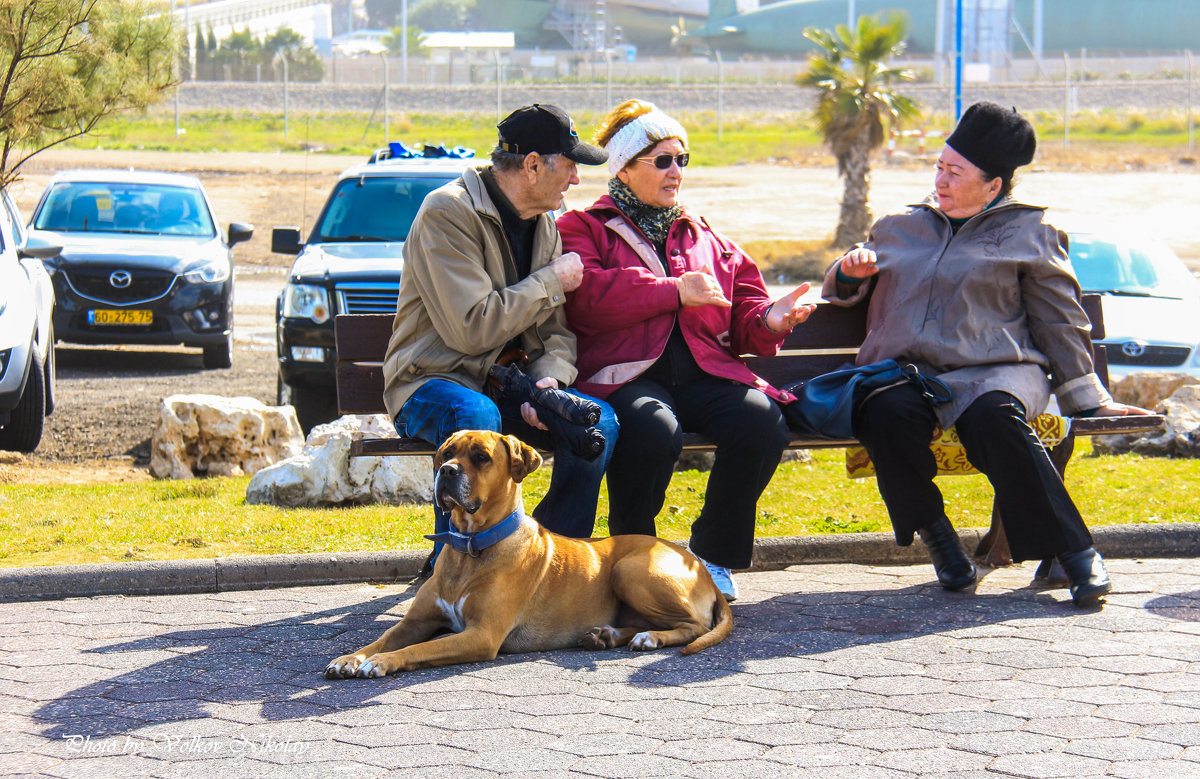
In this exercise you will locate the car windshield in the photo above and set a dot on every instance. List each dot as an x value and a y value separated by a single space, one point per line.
111 207
373 208
1145 269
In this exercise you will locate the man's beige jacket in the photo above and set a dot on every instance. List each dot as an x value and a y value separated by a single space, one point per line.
461 302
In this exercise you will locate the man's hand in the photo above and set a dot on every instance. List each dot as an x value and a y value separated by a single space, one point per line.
700 288
528 413
569 269
1114 409
786 312
858 263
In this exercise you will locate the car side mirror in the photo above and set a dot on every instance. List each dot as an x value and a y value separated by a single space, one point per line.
285 240
239 231
39 249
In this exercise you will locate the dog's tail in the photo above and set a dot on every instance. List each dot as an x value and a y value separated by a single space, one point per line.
722 625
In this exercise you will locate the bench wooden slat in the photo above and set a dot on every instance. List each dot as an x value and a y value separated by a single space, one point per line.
826 342
362 337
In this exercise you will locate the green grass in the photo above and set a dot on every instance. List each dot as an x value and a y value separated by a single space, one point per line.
62 524
745 137
742 138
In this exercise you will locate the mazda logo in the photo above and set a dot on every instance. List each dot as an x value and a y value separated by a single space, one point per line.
1133 348
120 279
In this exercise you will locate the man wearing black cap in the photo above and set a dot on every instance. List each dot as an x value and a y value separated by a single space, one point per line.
484 271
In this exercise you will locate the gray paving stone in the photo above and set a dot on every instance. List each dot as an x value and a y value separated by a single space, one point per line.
1080 727
899 679
810 755
1006 742
1184 735
894 738
1123 749
924 761
1043 765
1154 769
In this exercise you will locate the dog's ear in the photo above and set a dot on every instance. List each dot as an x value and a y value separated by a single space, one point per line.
523 459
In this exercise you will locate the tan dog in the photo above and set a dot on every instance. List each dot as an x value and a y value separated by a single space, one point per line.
534 590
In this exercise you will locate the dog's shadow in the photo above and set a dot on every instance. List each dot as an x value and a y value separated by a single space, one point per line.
277 666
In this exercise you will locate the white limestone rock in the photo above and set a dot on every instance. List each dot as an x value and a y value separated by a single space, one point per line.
1147 389
323 473
1180 437
212 435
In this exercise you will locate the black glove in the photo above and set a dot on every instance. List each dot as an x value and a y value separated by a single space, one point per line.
569 418
576 410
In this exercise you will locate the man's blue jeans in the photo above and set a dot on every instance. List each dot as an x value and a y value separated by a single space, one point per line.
441 408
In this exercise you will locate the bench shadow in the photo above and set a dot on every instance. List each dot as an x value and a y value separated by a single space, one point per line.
276 667
1183 607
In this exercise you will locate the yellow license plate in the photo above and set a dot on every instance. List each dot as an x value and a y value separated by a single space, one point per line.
116 316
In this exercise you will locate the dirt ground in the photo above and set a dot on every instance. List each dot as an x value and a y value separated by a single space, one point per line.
109 397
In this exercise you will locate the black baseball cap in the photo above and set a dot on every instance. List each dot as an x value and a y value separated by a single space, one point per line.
546 129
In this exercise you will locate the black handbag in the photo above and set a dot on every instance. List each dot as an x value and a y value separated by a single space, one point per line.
825 405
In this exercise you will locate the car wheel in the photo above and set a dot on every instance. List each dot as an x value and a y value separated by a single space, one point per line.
219 356
23 432
313 407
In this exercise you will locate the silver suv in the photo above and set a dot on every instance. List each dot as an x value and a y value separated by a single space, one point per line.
350 264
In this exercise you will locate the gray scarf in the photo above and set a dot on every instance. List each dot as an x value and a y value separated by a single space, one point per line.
654 221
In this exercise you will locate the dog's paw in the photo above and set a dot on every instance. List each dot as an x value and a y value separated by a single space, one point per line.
603 637
343 667
371 669
644 642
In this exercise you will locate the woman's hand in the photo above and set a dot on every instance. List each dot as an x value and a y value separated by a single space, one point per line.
858 263
700 288
1114 409
787 312
528 412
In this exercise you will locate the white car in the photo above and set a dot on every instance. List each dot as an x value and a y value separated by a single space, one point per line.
1151 302
26 333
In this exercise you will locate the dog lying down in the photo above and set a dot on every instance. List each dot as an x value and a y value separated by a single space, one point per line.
503 583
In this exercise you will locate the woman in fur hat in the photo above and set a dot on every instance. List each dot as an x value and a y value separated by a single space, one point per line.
974 287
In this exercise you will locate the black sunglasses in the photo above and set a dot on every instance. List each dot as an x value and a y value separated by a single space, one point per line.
663 161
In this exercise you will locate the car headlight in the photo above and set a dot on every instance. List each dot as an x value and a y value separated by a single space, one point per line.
208 273
306 300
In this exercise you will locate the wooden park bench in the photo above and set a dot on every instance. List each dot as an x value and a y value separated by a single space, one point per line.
826 342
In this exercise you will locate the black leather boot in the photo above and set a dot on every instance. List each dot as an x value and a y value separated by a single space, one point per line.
954 569
1087 576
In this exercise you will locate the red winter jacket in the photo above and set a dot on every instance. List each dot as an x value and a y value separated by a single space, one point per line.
624 310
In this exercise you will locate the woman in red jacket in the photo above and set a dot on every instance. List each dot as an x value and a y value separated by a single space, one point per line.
665 310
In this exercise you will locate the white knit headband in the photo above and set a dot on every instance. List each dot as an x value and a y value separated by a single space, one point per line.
646 129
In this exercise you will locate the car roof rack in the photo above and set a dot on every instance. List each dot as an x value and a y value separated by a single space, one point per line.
397 150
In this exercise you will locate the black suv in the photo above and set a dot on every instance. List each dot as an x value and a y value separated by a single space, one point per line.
350 264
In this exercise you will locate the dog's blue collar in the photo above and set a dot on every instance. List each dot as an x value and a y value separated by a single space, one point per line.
474 543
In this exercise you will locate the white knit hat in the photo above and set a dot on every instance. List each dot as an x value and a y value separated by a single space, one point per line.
651 127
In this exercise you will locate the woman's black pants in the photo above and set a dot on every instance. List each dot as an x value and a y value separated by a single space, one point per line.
750 435
1038 515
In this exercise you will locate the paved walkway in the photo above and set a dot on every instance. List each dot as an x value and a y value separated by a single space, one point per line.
833 670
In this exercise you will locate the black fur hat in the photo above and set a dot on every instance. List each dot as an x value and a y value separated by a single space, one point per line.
994 139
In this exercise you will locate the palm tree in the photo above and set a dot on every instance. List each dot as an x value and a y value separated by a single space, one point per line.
856 104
